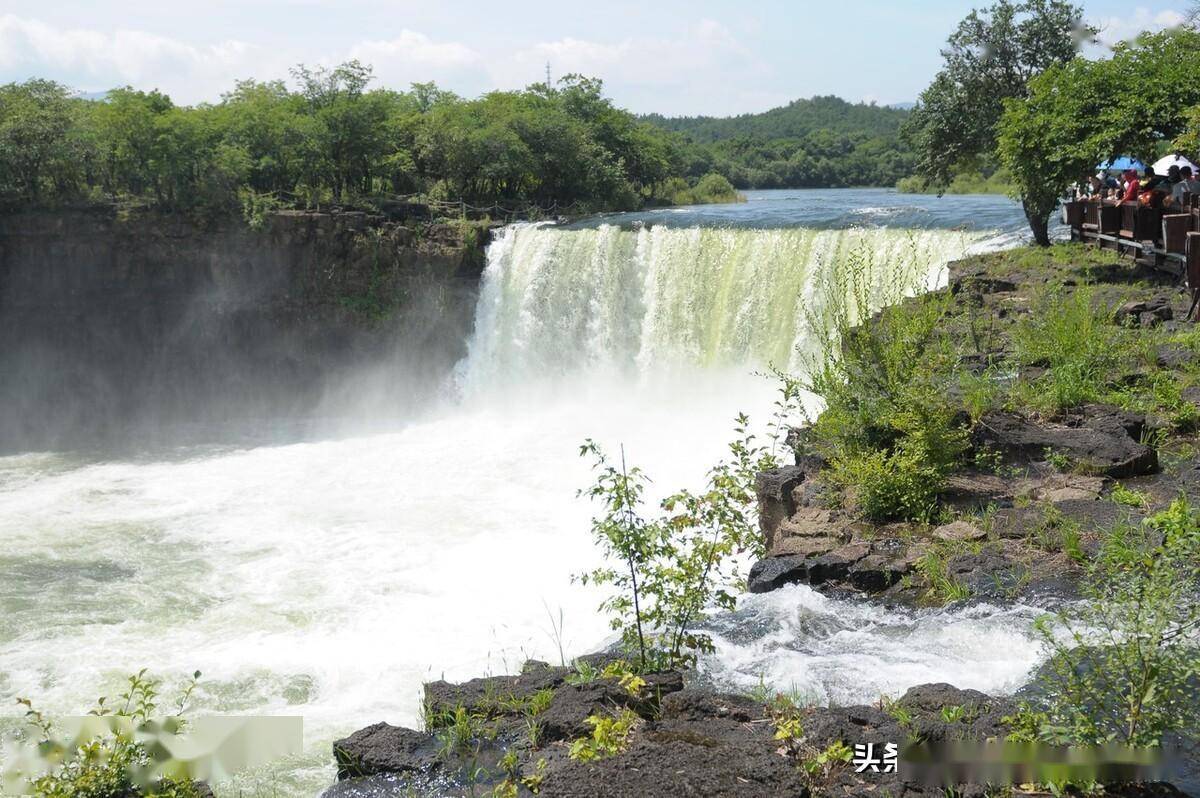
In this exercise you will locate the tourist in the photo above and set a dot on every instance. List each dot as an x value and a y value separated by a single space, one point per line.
1187 184
1132 185
1152 181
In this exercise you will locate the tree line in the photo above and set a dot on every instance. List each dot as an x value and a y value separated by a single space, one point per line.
335 139
332 137
813 143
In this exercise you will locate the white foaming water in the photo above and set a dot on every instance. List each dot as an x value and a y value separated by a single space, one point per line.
846 652
331 579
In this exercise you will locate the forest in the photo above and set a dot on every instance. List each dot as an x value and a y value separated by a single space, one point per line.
330 136
816 143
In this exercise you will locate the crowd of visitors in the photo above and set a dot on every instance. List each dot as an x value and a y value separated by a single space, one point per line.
1148 188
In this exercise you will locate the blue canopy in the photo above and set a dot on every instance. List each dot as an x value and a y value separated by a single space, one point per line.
1121 164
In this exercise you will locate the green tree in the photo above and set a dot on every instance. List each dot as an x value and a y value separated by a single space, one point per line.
990 58
37 156
1085 111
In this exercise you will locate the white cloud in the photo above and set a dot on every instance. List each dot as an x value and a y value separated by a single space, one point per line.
91 59
704 69
1114 29
413 57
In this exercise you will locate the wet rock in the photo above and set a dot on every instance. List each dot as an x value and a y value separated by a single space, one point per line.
958 532
480 695
836 564
384 748
774 489
1104 446
877 572
775 572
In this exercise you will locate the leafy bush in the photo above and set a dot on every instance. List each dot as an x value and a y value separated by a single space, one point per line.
712 188
610 736
1076 342
673 568
116 764
886 428
1123 663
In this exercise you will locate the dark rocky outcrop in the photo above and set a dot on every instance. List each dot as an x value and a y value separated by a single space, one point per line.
700 743
112 326
383 748
1100 441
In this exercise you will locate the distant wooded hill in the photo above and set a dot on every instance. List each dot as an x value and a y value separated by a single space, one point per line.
818 142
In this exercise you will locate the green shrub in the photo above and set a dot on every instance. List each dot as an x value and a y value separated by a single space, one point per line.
610 736
886 428
1076 342
887 486
1128 497
116 764
1122 663
942 587
673 568
710 189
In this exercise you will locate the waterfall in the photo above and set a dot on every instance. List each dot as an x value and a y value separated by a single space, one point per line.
556 301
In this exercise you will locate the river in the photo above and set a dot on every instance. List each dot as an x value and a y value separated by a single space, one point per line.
330 576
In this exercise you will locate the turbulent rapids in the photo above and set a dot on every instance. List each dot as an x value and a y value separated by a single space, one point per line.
613 299
331 577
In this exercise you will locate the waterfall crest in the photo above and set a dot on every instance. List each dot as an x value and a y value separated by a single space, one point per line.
557 301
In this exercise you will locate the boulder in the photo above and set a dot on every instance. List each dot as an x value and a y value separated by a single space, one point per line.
1016 523
806 522
836 564
958 532
1144 313
877 572
774 489
1171 357
974 489
1102 445
384 748
566 717
774 572
480 695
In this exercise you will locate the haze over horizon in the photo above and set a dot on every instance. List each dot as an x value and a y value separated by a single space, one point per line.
700 58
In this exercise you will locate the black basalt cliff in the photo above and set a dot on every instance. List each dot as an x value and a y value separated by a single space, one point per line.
112 324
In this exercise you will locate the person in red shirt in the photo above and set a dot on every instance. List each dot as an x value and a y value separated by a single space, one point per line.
1132 186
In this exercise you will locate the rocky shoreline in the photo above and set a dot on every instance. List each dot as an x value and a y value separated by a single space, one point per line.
1019 525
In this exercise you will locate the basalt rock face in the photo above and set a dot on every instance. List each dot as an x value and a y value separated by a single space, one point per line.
170 321
690 741
1033 494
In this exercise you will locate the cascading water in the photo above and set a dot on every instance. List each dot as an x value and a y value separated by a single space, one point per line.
633 301
331 578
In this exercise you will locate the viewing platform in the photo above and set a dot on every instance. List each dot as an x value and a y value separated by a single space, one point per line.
1164 238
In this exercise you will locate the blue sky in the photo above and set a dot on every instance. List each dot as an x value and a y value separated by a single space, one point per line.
699 57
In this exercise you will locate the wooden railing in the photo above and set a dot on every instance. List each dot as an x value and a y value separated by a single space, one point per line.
1166 238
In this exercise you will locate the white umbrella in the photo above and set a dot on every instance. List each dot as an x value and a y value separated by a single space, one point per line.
1163 164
